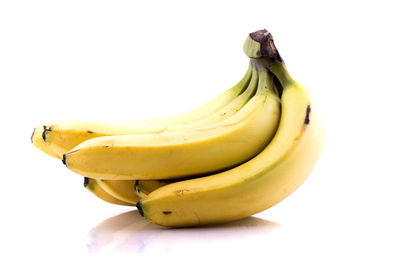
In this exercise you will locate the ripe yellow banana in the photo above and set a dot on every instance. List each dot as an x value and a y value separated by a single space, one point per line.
112 191
93 186
123 190
61 137
180 154
260 182
145 187
241 153
207 109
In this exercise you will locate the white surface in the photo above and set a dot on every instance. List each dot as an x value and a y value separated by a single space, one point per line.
136 59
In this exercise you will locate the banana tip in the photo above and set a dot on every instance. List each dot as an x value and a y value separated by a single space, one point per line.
45 130
33 133
64 159
139 207
85 181
307 119
135 187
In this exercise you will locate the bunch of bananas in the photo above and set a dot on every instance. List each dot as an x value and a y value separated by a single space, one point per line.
235 156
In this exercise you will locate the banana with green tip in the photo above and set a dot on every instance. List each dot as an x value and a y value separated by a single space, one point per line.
184 153
259 183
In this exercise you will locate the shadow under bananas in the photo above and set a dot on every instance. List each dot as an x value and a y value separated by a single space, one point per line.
129 232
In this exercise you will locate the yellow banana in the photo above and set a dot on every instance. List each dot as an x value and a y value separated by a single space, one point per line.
180 154
241 153
145 187
262 181
63 136
123 190
93 186
207 109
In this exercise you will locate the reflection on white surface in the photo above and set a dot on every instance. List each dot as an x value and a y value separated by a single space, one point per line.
129 232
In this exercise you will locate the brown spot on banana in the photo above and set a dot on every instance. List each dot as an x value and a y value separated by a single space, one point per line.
180 192
167 212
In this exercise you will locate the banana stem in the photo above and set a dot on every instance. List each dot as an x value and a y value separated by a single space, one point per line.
260 44
260 47
280 71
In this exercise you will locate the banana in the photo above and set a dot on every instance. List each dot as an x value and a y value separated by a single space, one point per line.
93 186
63 136
145 187
184 153
116 192
38 141
207 109
123 190
258 183
240 154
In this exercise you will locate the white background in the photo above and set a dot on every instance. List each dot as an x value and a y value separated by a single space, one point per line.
140 59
